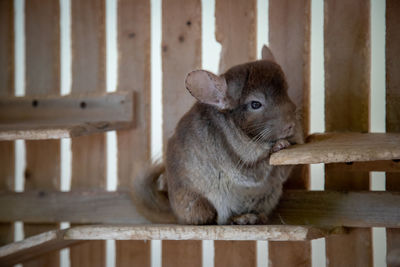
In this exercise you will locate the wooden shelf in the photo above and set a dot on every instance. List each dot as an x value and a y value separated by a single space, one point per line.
53 240
53 117
318 208
341 147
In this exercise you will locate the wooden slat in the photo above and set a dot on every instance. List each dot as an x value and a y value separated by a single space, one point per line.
34 246
181 53
236 31
54 117
341 147
134 145
378 166
347 85
289 41
6 89
88 74
42 31
320 208
392 107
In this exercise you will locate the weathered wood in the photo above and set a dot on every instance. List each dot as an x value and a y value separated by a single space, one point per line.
134 145
319 208
34 246
289 40
392 109
181 53
88 74
42 50
49 117
7 156
236 31
347 93
341 147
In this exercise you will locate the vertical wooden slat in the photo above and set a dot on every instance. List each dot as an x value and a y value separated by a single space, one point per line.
347 86
236 30
134 145
289 41
181 53
88 74
392 99
6 89
42 52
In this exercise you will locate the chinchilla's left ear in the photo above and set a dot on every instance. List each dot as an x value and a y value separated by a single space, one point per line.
267 54
208 88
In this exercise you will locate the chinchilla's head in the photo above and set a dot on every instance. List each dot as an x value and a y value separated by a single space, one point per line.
254 95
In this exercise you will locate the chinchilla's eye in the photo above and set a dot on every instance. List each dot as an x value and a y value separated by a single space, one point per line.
255 105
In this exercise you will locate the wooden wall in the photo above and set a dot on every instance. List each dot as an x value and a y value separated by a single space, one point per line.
347 91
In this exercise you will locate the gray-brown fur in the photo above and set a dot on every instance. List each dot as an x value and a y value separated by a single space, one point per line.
217 161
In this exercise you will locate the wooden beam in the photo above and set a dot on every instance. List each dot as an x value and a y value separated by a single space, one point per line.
341 147
49 117
319 208
370 166
53 240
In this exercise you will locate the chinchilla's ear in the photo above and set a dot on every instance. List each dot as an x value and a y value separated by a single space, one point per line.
208 88
266 54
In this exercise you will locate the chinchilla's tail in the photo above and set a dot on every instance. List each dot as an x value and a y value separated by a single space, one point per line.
150 195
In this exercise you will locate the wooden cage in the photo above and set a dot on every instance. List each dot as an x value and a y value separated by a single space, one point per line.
343 214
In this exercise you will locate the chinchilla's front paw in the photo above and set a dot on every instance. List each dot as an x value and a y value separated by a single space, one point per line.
279 145
243 219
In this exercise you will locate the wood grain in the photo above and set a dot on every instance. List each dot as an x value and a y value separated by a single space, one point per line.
341 147
134 145
392 104
42 33
236 31
297 207
181 53
6 89
88 74
347 86
289 41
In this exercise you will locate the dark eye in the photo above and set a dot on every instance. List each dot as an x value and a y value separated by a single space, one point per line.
255 105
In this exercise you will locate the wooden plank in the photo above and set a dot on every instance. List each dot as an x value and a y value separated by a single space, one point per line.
181 53
341 147
54 117
289 41
88 74
134 145
34 246
52 240
347 85
42 35
7 155
319 208
377 166
236 31
392 109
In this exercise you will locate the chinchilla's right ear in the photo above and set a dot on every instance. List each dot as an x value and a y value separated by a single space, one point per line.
208 88
266 54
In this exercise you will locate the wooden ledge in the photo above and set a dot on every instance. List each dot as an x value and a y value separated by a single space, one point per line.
53 240
53 117
341 147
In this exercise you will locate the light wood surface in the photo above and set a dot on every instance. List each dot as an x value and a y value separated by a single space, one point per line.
289 40
7 155
341 147
88 75
320 208
236 31
181 53
392 109
347 94
134 145
42 63
54 117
